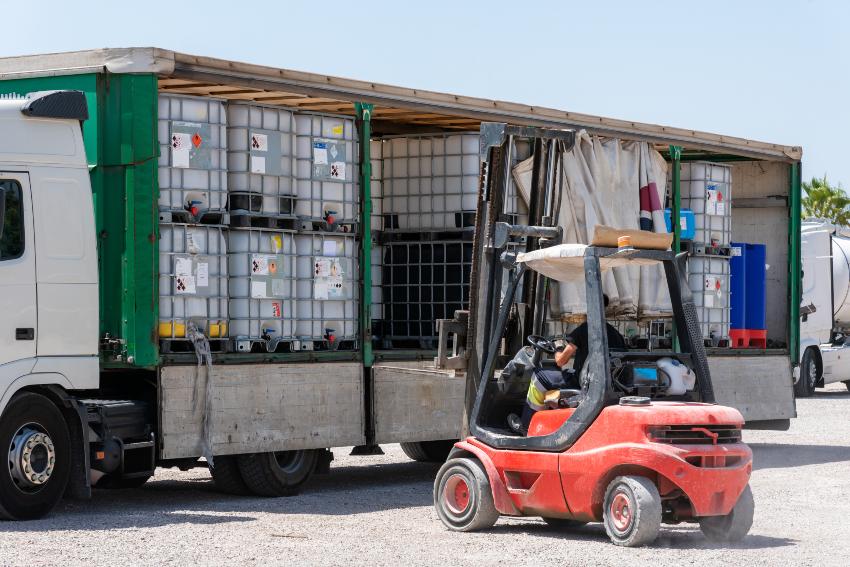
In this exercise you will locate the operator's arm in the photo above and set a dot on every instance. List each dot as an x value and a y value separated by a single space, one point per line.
572 343
565 354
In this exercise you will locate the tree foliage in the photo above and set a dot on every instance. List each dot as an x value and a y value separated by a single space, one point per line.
825 201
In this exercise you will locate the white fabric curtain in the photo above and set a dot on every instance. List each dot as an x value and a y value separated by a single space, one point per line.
604 181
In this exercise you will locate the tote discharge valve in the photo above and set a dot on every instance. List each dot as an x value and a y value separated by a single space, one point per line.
638 441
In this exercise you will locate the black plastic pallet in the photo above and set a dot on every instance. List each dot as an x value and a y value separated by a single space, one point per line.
238 220
261 346
185 217
463 219
389 237
178 346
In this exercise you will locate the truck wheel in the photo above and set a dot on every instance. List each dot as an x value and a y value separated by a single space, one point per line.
809 371
564 523
38 447
632 511
277 474
429 451
227 477
463 497
735 525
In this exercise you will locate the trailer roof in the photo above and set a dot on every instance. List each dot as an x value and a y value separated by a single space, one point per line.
397 109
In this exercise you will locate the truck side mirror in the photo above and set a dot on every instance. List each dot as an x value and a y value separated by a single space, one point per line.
2 210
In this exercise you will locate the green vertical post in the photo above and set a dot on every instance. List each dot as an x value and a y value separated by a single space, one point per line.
795 269
364 119
675 213
676 193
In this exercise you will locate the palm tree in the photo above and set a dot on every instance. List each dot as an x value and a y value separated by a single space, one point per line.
825 201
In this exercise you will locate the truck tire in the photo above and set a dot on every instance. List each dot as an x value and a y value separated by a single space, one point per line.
277 474
428 451
463 497
227 477
632 511
38 448
809 374
735 525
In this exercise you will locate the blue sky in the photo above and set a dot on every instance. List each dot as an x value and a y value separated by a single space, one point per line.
775 71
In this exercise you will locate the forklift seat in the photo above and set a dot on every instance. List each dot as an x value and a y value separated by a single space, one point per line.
545 422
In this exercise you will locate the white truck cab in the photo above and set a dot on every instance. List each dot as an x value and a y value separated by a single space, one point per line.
824 307
48 290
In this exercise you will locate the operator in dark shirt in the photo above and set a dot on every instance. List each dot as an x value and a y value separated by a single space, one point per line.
575 349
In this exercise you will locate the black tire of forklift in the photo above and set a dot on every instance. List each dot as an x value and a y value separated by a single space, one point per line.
735 525
463 496
110 482
805 386
638 503
227 477
277 474
429 451
564 523
27 411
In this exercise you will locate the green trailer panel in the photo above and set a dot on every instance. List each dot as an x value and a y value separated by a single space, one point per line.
120 138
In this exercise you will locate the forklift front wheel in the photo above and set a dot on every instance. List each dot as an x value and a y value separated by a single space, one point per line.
632 511
733 526
463 497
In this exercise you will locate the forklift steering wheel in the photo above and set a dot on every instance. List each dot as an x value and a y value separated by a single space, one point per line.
541 343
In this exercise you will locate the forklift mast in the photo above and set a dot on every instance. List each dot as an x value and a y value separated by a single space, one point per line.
502 313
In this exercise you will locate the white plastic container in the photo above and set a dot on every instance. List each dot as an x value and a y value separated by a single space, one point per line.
326 175
326 295
261 264
192 281
260 160
192 156
430 182
706 189
708 279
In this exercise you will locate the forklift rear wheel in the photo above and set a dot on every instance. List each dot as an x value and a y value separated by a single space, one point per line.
35 436
463 497
809 370
735 525
277 474
564 523
226 476
632 511
429 451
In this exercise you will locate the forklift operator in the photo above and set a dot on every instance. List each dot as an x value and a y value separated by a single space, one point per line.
574 347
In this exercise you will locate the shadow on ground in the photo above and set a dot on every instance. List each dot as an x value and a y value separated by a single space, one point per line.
671 537
780 456
196 501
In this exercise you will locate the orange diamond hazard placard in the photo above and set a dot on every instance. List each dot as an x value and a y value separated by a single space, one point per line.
196 140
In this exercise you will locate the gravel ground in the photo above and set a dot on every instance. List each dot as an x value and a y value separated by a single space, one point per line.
378 511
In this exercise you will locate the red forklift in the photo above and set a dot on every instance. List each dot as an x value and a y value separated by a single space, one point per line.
626 448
